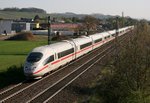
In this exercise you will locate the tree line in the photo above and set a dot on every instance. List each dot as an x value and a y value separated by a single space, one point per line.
32 9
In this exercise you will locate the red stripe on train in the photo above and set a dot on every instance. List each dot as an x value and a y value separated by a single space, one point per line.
40 69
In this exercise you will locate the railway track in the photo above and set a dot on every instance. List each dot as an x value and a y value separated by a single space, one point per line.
22 92
54 89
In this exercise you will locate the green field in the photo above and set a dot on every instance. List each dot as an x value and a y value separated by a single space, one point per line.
12 58
15 52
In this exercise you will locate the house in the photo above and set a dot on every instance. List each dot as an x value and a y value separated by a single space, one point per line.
62 28
23 26
5 26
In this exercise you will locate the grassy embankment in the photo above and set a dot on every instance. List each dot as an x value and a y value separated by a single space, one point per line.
125 78
12 57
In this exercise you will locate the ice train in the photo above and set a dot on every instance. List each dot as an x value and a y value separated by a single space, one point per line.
42 60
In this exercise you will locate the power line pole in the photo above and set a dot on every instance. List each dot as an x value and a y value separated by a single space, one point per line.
117 43
117 27
122 19
49 30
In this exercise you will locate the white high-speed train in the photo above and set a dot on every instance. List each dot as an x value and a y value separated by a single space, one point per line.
42 60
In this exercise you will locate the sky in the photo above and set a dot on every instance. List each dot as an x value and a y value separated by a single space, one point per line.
134 8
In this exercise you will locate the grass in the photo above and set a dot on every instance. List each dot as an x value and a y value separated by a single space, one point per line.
12 58
7 61
18 47
13 51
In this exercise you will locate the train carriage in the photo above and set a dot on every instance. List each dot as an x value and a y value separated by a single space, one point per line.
83 45
97 40
65 52
107 37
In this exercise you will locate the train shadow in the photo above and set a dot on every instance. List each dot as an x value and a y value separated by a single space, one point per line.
13 75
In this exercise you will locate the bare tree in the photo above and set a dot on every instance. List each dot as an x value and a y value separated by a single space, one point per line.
90 24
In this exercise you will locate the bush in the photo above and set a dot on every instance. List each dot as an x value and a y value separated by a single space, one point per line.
23 36
13 75
129 79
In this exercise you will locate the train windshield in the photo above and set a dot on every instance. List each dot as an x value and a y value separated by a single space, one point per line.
34 57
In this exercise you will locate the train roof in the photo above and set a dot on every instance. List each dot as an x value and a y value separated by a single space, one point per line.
41 49
106 33
96 36
60 46
57 47
82 40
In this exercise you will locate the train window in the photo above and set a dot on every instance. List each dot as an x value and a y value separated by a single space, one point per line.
85 45
34 57
66 52
113 34
49 59
107 37
98 40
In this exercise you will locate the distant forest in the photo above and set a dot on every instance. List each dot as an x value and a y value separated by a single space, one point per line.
15 9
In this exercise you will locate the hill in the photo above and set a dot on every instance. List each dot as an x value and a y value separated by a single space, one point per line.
70 15
31 9
18 15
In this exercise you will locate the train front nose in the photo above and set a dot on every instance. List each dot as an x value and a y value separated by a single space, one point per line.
32 63
29 69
